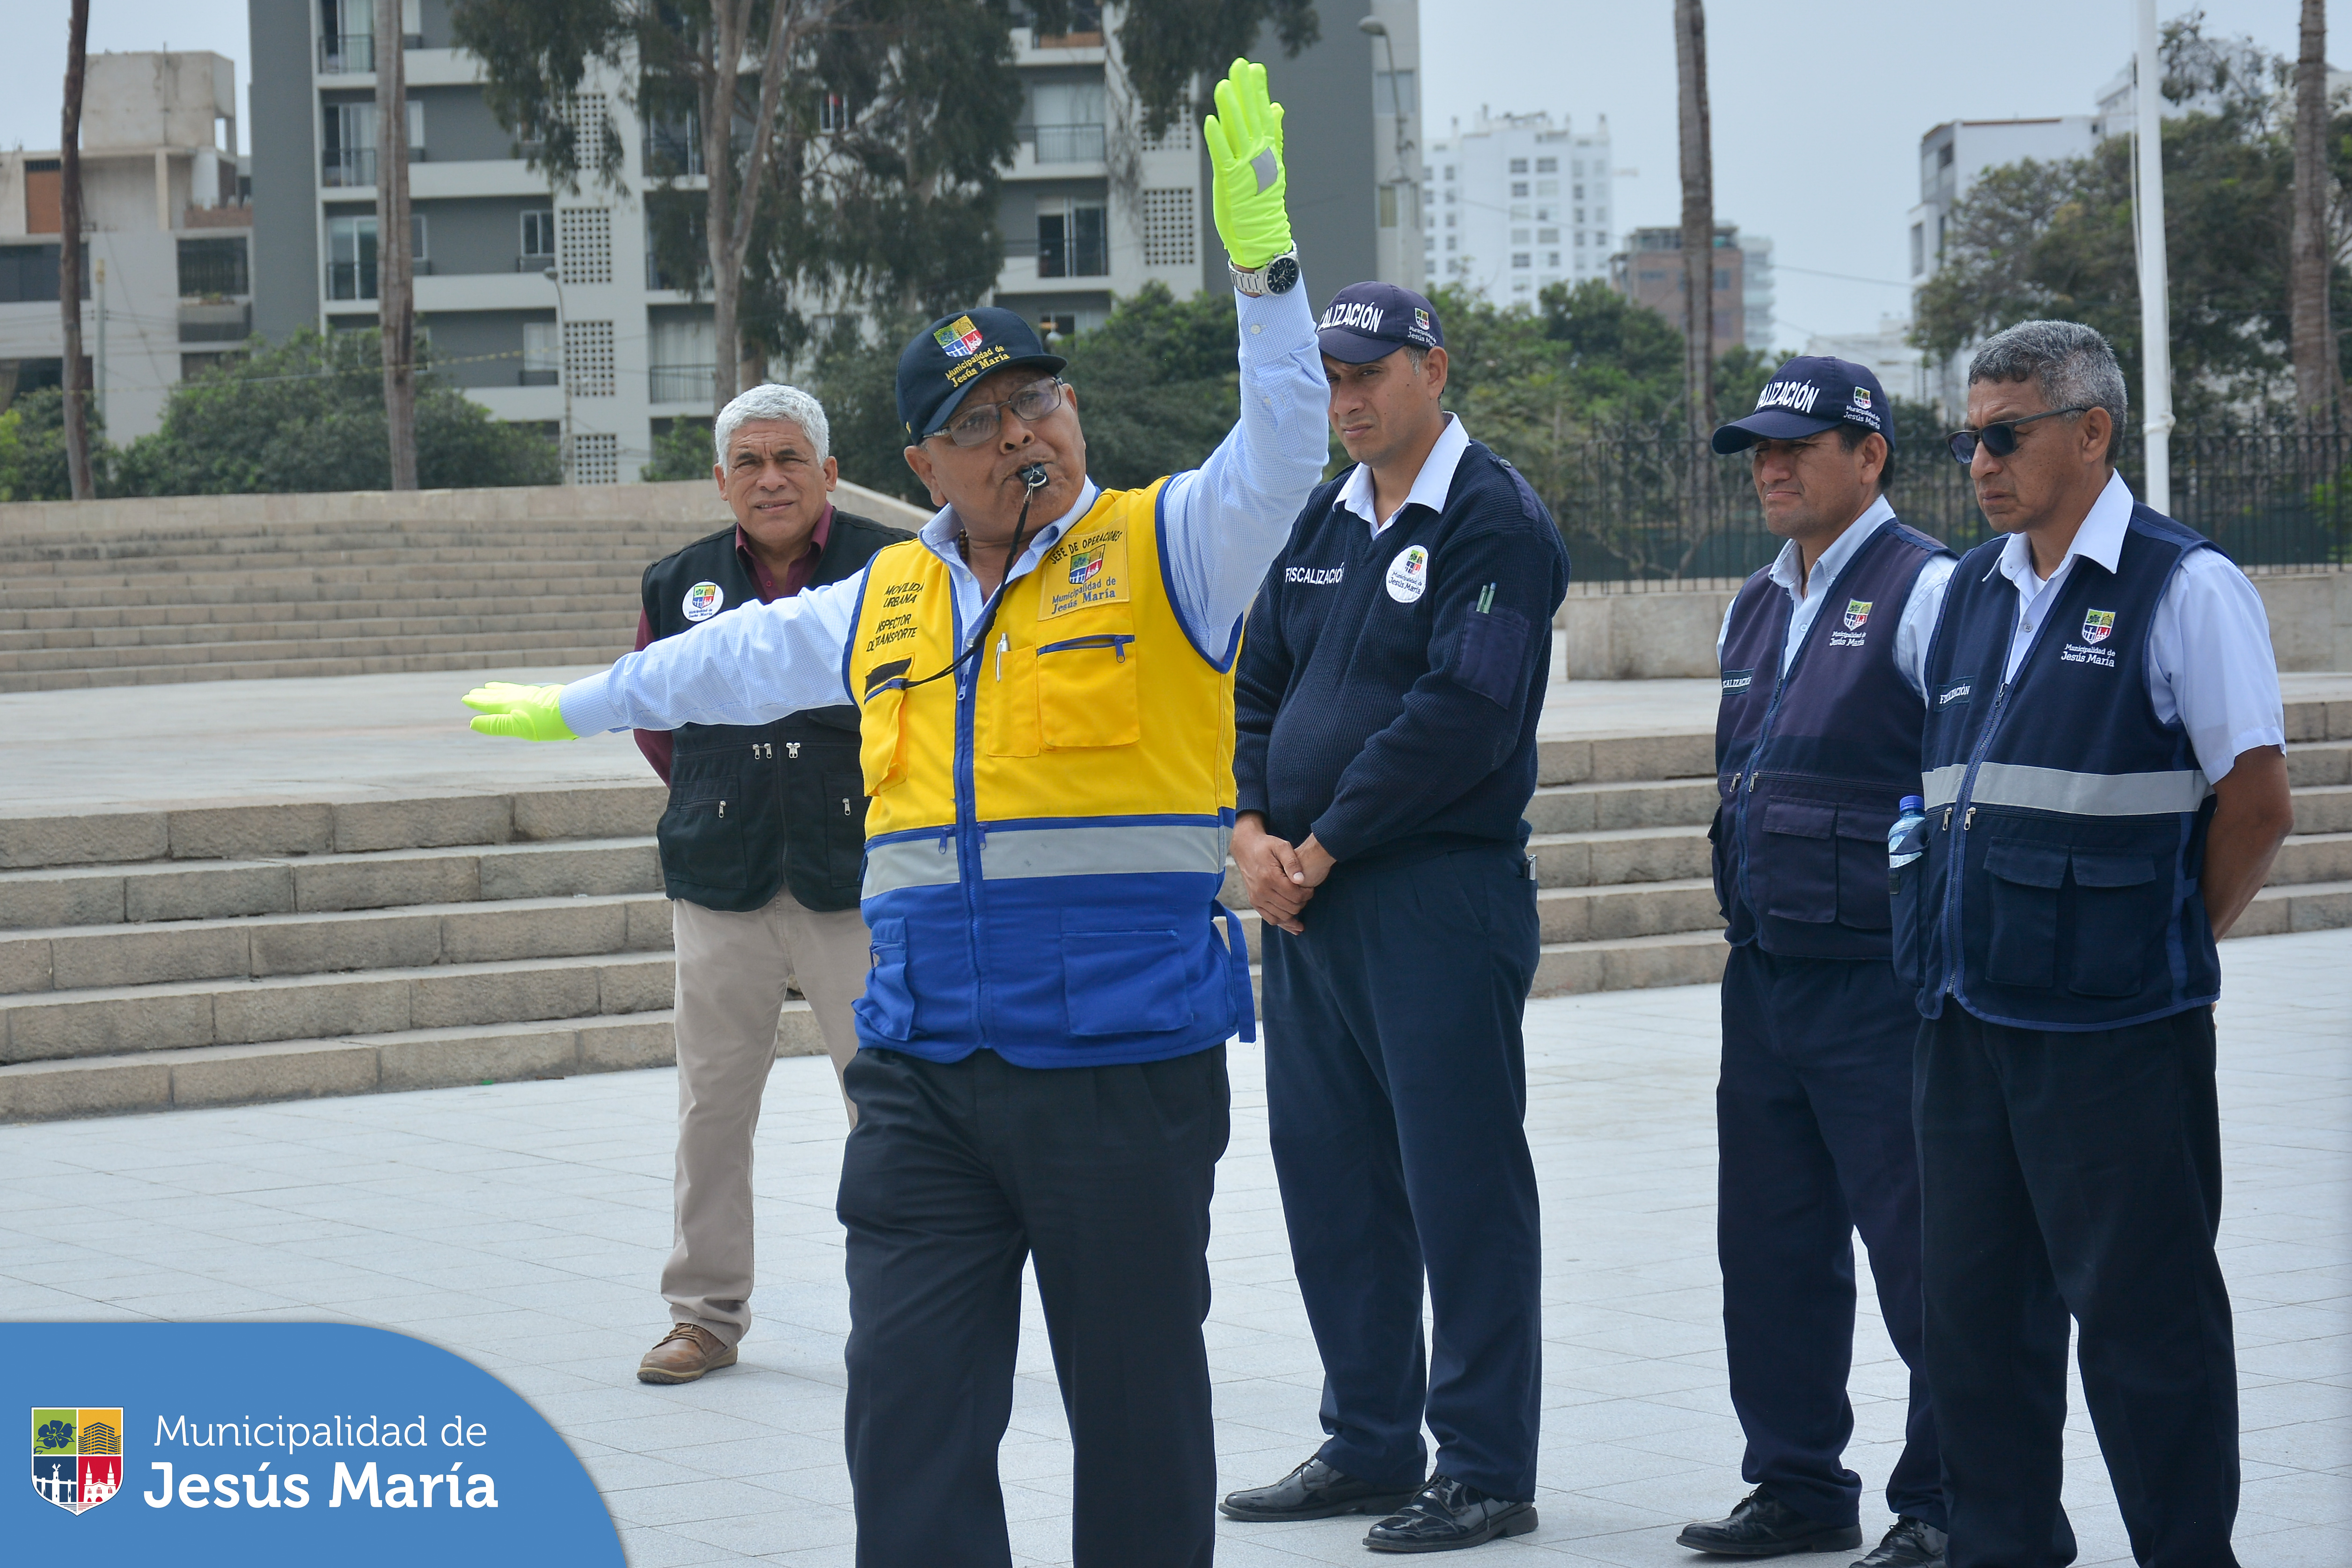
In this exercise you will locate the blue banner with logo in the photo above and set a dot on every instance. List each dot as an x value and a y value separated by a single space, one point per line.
200 1443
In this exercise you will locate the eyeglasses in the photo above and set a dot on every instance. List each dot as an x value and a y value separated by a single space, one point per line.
977 423
2000 439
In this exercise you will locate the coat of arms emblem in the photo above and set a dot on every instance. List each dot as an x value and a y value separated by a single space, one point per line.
959 338
2098 626
1857 613
1084 568
77 1456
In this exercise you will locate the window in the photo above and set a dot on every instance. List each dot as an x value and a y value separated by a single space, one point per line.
1579 168
1452 219
1580 238
1069 121
1452 195
1548 237
29 274
1547 215
351 254
1918 248
1168 216
1521 258
596 459
685 354
540 353
538 241
213 266
588 358
1449 171
1073 242
1518 187
1518 236
1551 258
1579 214
584 237
1519 165
1388 206
1547 165
1547 187
1392 94
831 113
1518 285
1520 214
1452 242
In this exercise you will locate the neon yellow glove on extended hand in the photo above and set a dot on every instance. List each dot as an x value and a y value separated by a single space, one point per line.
524 713
1244 142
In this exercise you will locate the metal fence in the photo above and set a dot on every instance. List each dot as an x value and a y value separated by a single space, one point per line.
1654 512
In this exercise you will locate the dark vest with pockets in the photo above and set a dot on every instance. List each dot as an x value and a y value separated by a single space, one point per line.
1810 764
757 807
2065 824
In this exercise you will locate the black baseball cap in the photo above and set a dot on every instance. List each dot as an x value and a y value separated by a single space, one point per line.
1811 394
949 357
1365 321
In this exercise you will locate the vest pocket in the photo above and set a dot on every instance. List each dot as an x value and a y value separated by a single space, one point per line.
702 830
1799 874
1862 903
1125 982
1086 692
2025 880
881 737
2117 914
888 1006
1007 718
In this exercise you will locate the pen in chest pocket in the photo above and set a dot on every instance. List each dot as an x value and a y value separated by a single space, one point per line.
1486 598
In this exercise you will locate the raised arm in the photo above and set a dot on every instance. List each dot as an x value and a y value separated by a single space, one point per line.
755 665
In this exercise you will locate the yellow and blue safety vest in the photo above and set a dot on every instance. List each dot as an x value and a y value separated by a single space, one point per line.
1048 827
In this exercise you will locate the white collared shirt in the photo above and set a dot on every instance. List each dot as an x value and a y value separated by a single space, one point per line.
1428 486
2209 662
1912 632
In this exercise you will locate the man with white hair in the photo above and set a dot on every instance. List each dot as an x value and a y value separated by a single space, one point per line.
759 850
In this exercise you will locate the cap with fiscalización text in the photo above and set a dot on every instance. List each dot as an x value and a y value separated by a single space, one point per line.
1811 394
1365 321
947 359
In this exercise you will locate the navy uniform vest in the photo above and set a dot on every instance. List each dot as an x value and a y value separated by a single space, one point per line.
757 807
1811 764
2066 826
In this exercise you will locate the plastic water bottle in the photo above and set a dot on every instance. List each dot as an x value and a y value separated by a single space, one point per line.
1906 840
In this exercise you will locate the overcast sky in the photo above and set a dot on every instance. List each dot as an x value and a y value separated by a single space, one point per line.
1818 110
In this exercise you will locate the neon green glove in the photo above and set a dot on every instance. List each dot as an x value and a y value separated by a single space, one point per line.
1244 142
524 713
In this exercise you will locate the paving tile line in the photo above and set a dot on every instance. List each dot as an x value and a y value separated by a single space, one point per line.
548 1219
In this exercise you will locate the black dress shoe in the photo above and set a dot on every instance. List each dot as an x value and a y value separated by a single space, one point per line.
1446 1516
1313 1491
1911 1543
1764 1526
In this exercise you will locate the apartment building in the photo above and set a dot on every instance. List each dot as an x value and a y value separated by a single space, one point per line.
1518 203
1650 271
1091 208
167 284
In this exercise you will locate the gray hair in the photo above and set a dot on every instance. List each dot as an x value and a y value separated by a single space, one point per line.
773 400
2070 364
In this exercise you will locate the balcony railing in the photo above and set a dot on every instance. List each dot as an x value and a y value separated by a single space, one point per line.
231 323
528 377
353 54
680 383
355 165
534 262
1085 256
356 280
1070 143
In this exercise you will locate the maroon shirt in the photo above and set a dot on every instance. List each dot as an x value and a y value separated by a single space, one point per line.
655 744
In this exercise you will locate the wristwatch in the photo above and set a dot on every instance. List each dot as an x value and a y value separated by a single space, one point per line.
1279 276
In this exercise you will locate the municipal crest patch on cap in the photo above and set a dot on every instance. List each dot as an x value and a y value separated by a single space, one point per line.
1857 613
1862 397
2098 626
704 600
959 337
77 1456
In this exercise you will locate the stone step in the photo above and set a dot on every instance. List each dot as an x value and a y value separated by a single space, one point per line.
2285 906
124 839
2308 857
1629 963
2314 764
334 645
577 626
1621 855
1618 806
303 668
414 936
530 566
218 889
1624 758
314 612
58 1026
1621 912
2323 808
70 599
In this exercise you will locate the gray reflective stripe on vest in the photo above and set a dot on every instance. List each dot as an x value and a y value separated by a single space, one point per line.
1105 850
909 863
2074 795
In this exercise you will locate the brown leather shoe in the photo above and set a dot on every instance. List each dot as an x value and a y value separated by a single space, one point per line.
685 1353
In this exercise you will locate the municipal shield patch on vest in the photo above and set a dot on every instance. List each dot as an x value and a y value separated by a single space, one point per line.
1857 612
2099 625
77 1456
704 600
1084 567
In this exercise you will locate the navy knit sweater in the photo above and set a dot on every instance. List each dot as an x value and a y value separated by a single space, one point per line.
1385 703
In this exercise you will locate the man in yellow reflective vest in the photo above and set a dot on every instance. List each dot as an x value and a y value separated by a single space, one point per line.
1045 677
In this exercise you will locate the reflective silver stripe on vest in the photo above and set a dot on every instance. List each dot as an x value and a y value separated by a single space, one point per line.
1105 850
909 863
2075 794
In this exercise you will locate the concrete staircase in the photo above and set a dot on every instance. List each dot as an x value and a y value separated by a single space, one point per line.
217 954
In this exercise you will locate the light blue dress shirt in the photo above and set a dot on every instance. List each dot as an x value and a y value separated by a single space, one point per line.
1222 524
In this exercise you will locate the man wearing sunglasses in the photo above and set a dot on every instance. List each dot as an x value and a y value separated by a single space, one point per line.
1823 656
1045 684
2106 787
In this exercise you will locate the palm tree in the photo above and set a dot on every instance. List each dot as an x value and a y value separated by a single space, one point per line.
2318 381
77 376
395 261
1698 236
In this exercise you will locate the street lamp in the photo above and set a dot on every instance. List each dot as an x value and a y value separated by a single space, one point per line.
1372 26
563 371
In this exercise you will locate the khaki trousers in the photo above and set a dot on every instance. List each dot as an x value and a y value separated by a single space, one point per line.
732 970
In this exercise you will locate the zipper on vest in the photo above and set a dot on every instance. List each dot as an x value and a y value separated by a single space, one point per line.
792 750
1115 642
722 811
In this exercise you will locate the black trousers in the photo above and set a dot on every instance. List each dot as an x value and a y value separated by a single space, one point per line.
1813 1127
1396 1090
1100 1176
2077 1173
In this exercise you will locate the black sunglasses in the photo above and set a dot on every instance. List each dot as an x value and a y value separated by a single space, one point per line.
2000 439
977 422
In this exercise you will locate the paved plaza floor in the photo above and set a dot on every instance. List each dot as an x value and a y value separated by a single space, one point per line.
523 1226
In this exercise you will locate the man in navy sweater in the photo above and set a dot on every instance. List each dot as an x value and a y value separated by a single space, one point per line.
1385 707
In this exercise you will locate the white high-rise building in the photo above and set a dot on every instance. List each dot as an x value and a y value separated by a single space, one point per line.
1515 202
